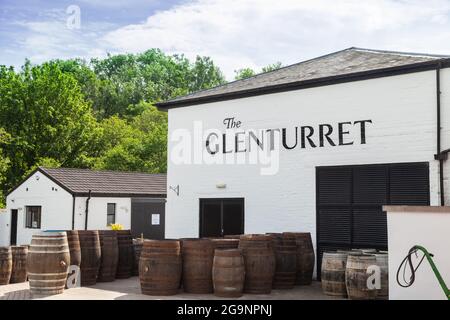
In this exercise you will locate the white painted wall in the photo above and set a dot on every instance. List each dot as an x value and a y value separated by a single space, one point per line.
430 230
98 212
403 111
56 206
5 218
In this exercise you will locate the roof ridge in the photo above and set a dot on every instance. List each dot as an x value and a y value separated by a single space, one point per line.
100 171
402 53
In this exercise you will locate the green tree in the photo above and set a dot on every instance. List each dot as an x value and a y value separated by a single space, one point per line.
244 73
5 138
272 67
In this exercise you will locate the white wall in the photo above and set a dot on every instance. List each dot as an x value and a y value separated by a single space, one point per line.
56 206
403 111
98 212
430 229
5 219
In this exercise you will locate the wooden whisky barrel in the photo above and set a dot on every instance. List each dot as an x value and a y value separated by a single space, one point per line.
221 243
382 259
74 247
109 255
198 256
356 277
137 246
160 267
48 262
126 254
333 274
5 265
259 259
90 256
305 257
285 250
228 273
19 264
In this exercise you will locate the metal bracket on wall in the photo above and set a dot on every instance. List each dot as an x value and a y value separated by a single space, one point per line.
443 155
175 189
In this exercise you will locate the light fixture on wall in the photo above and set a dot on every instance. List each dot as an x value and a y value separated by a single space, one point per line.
221 185
37 177
175 189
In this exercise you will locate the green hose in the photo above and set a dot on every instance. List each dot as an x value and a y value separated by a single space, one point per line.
407 259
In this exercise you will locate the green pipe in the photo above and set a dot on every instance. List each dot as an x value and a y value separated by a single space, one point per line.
435 270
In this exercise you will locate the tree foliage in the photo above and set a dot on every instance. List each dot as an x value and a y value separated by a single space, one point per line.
248 72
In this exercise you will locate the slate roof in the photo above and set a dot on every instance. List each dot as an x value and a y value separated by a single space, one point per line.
343 63
80 181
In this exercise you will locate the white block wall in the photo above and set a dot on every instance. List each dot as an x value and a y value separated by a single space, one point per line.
430 230
403 111
56 206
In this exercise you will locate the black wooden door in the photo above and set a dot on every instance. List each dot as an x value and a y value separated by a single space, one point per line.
350 199
219 217
13 236
148 218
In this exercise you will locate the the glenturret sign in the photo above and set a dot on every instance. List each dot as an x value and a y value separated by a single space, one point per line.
302 136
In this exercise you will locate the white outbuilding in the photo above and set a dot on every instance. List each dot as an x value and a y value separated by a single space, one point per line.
66 199
319 146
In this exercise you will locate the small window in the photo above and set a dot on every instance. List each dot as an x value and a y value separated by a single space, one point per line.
33 217
111 214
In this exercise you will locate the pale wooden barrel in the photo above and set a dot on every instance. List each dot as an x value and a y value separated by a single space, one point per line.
382 259
356 276
48 262
333 274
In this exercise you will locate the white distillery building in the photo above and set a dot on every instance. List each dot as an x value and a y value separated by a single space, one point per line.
354 130
82 199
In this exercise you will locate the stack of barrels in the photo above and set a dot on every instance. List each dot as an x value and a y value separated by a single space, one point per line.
345 274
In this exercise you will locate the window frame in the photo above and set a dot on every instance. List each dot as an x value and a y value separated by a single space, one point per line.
108 214
31 216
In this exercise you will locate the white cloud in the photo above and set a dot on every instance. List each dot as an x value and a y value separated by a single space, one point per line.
254 33
249 33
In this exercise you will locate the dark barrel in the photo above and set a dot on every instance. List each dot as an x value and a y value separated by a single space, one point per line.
259 259
48 262
221 243
90 256
109 255
356 276
160 267
5 265
126 254
198 256
285 250
19 267
137 246
228 273
333 274
74 247
305 257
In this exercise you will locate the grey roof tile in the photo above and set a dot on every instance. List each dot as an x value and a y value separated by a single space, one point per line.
108 182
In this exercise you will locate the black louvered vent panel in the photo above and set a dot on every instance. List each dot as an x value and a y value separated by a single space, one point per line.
335 225
410 184
369 227
370 184
334 186
350 200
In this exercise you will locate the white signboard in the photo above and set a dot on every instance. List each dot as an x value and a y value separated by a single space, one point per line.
155 219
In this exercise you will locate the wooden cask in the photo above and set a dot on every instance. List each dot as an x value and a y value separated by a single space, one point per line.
160 267
48 262
305 257
356 277
126 254
382 259
19 261
228 273
109 255
221 243
333 274
5 265
198 256
285 251
259 259
91 255
137 249
74 247
232 236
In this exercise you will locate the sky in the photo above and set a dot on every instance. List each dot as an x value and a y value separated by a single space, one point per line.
234 33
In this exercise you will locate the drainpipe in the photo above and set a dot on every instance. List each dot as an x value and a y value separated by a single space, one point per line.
87 211
440 155
73 212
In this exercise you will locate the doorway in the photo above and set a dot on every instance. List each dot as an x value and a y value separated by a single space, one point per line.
148 218
221 217
13 236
